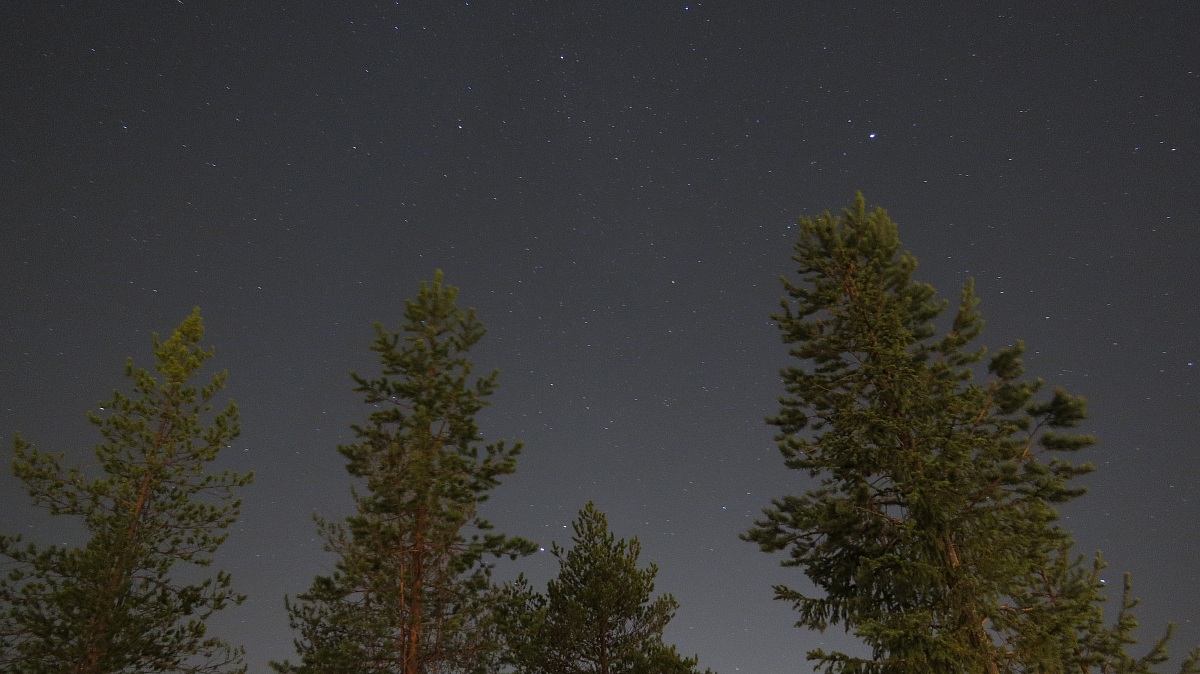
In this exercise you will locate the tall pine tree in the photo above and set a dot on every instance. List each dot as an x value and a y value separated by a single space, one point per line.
933 535
408 595
598 615
156 512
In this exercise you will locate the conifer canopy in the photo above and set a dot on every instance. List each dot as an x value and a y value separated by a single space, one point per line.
931 530
155 513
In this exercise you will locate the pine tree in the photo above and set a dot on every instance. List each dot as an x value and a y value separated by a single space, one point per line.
597 616
155 514
413 572
933 534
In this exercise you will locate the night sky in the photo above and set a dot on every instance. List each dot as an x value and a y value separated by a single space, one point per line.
614 186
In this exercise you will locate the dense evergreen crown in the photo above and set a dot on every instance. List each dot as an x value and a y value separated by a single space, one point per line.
598 615
115 604
407 595
933 534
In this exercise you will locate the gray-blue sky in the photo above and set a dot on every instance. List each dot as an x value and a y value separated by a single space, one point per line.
613 186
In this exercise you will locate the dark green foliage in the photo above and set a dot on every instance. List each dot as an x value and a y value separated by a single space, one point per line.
933 533
408 593
597 616
116 604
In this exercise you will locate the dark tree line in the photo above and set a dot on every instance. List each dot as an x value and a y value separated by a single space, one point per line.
933 535
412 590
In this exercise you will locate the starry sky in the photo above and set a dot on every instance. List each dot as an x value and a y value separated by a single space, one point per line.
614 186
